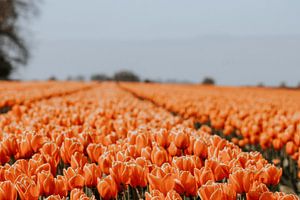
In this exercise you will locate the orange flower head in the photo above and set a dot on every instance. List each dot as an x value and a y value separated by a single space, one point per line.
8 191
107 187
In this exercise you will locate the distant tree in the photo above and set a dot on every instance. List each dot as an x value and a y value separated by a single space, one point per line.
69 78
100 77
13 48
282 85
148 81
52 78
79 78
208 81
126 76
260 84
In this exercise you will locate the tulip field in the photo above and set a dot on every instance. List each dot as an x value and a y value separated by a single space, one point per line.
77 140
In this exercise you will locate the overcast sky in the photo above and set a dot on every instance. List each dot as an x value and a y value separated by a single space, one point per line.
236 42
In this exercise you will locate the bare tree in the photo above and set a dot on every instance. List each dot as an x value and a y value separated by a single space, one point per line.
13 48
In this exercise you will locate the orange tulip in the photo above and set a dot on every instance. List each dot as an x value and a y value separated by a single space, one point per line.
256 190
241 180
105 162
154 195
4 157
220 170
55 197
203 175
138 175
37 141
75 179
277 144
146 153
50 153
46 183
290 148
187 163
120 173
161 138
163 184
107 187
173 195
61 186
8 191
200 148
78 160
188 182
173 150
94 151
277 196
79 194
159 156
27 188
269 175
211 191
182 139
25 150
91 173
10 144
68 148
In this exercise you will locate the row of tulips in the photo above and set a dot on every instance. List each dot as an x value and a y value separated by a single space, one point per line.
265 120
12 93
105 143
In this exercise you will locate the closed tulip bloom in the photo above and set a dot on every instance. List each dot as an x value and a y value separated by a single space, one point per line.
200 148
138 175
91 173
277 196
120 173
79 194
74 178
161 138
203 175
173 195
105 162
61 186
163 184
269 175
4 157
94 151
256 190
25 150
220 170
55 197
107 188
27 188
212 191
159 156
46 183
146 153
182 139
68 148
8 191
10 144
154 195
50 152
241 180
37 141
290 148
189 183
173 150
78 160
277 144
